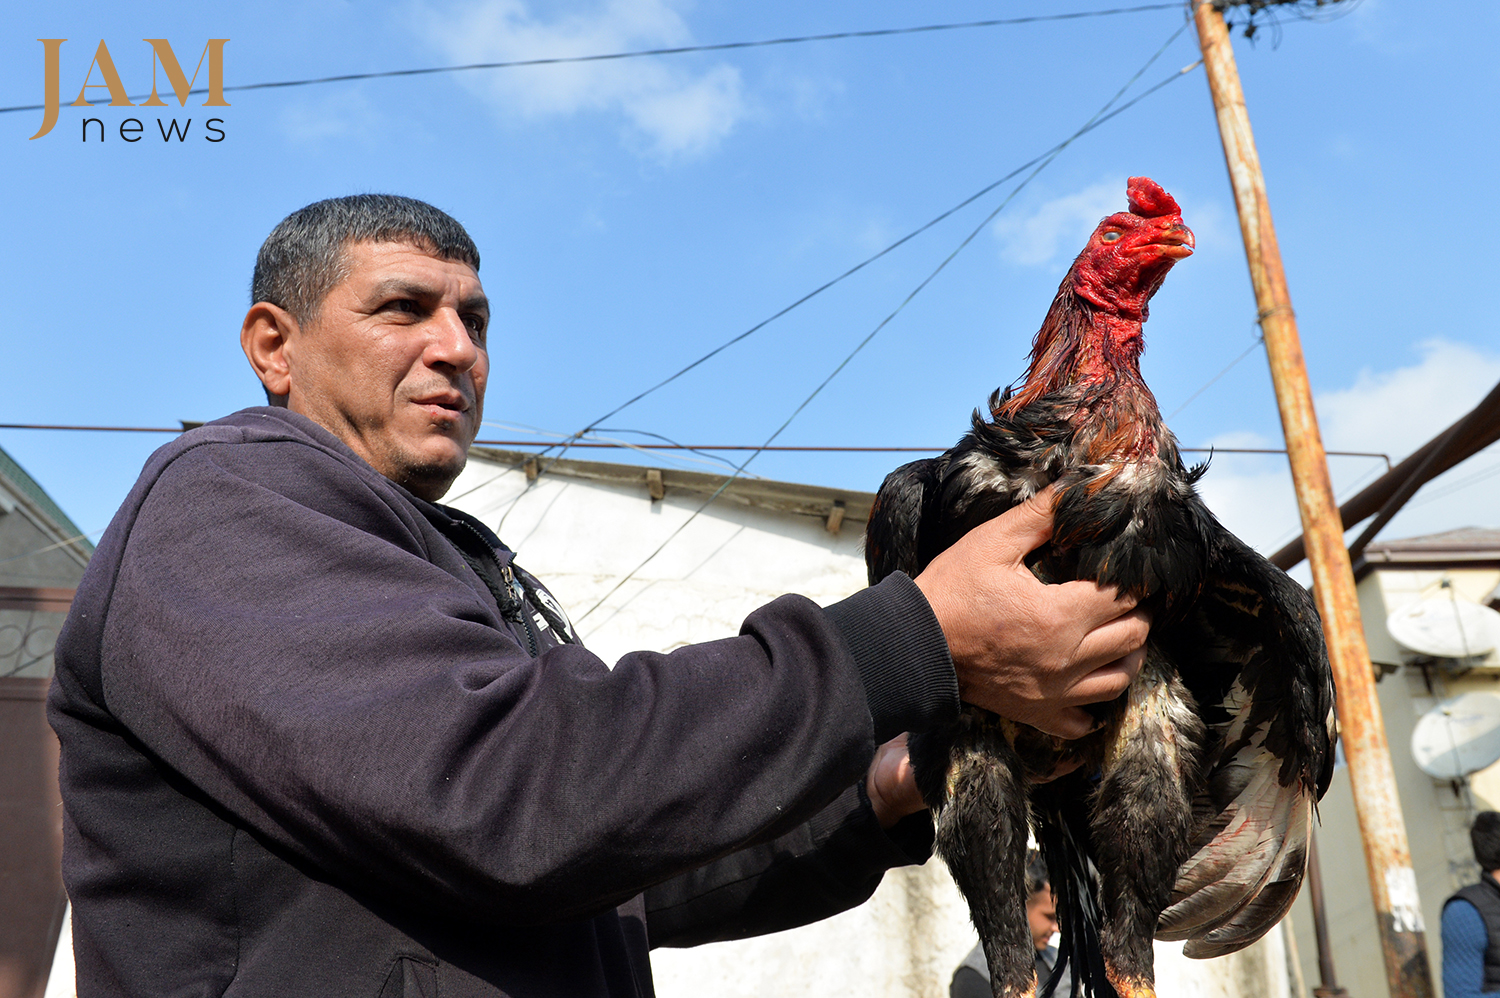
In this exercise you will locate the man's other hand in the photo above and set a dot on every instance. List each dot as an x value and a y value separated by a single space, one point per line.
890 785
1027 651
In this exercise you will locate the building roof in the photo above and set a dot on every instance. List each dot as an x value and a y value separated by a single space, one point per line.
785 497
1466 546
23 483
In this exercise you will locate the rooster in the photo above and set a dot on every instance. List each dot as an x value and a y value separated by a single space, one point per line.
1187 811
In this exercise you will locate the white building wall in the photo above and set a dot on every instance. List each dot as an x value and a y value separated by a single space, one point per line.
582 536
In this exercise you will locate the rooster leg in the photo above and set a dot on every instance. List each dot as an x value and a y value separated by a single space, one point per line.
1142 818
974 780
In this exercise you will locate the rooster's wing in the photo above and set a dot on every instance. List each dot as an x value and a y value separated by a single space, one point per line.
894 539
1251 652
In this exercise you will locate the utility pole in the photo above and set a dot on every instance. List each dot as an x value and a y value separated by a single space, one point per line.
1392 882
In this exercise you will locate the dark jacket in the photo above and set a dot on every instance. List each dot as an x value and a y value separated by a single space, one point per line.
305 752
972 978
1485 897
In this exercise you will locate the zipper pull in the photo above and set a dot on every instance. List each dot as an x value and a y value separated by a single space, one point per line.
516 593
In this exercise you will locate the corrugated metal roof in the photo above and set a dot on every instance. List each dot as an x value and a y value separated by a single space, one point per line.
16 477
787 497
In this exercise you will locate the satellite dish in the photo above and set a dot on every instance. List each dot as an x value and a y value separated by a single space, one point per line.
1445 627
1458 737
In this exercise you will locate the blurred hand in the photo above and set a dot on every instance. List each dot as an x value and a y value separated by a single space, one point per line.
890 785
1027 651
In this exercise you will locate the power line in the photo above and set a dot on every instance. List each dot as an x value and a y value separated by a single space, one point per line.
1098 118
53 547
878 449
597 439
93 429
671 445
1090 126
1459 485
675 50
812 449
1212 381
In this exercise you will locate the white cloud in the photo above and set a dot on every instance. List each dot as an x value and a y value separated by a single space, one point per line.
1060 225
692 115
675 111
1398 411
1393 412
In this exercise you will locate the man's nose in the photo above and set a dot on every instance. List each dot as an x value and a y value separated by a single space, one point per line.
451 343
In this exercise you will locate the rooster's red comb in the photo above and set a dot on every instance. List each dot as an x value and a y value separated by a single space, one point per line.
1148 200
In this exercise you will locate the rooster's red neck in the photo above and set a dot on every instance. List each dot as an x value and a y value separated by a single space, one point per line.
1089 357
1081 346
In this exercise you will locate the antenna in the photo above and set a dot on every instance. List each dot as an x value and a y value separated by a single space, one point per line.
1459 736
1445 626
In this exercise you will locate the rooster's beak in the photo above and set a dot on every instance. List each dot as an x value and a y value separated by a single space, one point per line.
1176 242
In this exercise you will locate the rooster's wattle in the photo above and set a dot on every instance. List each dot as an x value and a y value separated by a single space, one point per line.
1195 797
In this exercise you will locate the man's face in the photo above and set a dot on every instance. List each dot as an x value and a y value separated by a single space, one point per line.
394 363
1041 915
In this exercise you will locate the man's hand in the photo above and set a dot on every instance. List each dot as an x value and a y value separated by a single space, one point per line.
890 785
1027 651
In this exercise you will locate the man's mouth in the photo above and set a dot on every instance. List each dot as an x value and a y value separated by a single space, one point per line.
449 405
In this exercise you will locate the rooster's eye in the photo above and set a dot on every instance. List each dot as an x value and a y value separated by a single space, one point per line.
1110 236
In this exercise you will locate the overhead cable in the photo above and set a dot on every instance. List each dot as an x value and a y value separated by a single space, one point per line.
1046 157
53 547
1093 123
1099 117
667 444
1458 485
675 50
1211 381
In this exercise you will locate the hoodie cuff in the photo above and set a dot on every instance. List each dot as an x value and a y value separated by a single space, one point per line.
901 655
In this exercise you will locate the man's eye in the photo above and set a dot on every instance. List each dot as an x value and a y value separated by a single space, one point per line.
475 324
406 305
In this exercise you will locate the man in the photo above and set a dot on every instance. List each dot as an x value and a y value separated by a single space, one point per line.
1471 919
972 978
321 736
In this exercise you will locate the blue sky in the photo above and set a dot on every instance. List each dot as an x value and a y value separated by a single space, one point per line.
634 214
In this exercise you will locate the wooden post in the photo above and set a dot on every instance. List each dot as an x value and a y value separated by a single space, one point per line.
1392 882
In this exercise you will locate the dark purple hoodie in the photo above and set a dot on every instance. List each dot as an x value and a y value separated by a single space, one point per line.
304 751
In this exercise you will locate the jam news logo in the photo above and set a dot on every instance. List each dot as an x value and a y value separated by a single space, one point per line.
161 55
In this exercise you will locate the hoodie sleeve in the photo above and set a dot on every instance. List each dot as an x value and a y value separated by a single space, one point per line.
827 865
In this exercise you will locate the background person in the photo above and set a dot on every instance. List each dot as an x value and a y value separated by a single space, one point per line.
972 978
1471 919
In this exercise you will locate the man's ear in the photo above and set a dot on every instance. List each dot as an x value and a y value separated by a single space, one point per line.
264 337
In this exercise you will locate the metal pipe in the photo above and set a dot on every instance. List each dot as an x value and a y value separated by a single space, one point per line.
1328 986
1393 884
1475 431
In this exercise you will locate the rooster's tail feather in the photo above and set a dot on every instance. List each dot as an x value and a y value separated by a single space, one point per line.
1062 830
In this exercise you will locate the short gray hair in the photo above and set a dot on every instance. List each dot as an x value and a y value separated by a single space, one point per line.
1484 835
303 257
